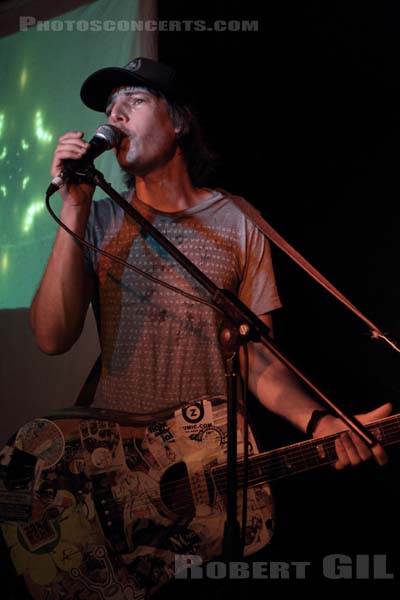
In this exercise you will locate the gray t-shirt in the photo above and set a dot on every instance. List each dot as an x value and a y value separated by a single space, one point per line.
161 350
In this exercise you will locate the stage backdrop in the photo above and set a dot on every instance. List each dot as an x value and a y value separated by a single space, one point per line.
42 70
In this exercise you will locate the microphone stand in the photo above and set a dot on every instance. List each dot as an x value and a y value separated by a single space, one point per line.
240 326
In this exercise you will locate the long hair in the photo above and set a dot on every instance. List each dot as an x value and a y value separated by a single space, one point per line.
201 161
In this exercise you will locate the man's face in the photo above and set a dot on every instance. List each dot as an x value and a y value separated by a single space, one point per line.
150 137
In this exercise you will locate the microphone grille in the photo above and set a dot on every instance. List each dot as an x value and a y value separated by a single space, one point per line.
111 134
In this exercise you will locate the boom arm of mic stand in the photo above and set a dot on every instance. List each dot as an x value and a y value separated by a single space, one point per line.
250 327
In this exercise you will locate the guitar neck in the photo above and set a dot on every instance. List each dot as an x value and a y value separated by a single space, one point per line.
304 456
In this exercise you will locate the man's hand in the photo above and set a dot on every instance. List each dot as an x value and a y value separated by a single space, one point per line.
350 448
71 145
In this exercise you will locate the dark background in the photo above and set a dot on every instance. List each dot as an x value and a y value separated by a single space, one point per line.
305 116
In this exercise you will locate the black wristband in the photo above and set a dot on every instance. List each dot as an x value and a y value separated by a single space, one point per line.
314 420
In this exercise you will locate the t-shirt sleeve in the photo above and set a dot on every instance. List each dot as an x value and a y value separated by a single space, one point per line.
105 216
258 288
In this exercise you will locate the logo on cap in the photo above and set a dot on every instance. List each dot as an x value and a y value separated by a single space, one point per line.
134 65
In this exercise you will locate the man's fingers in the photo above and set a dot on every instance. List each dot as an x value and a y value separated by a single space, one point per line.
72 143
69 147
351 450
343 459
380 455
71 134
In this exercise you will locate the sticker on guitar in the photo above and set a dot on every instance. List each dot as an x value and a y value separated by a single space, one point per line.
116 500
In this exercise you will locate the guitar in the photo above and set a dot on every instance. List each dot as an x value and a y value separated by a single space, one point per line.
96 504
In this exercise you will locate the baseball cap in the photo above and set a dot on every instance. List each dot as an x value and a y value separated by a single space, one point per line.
138 72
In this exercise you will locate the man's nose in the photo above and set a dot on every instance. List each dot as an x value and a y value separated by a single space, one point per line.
118 114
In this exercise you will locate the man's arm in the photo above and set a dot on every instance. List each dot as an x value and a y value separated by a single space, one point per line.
279 390
59 307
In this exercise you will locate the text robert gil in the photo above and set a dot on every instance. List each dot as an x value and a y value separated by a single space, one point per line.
334 566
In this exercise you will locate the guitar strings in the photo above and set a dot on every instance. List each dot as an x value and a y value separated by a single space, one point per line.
218 478
300 453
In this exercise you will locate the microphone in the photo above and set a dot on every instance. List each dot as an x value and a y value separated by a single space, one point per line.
105 138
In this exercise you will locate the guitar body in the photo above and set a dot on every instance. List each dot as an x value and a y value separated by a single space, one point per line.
97 505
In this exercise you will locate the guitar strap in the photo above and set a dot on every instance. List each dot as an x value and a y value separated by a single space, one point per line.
88 390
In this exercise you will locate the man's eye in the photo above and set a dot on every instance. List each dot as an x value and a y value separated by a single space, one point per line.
131 102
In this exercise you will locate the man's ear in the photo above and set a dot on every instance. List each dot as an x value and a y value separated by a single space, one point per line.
179 133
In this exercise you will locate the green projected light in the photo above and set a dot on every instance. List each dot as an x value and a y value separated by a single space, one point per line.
4 262
41 134
42 73
33 210
23 79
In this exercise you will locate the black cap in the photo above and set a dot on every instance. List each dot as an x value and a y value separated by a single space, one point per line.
138 72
